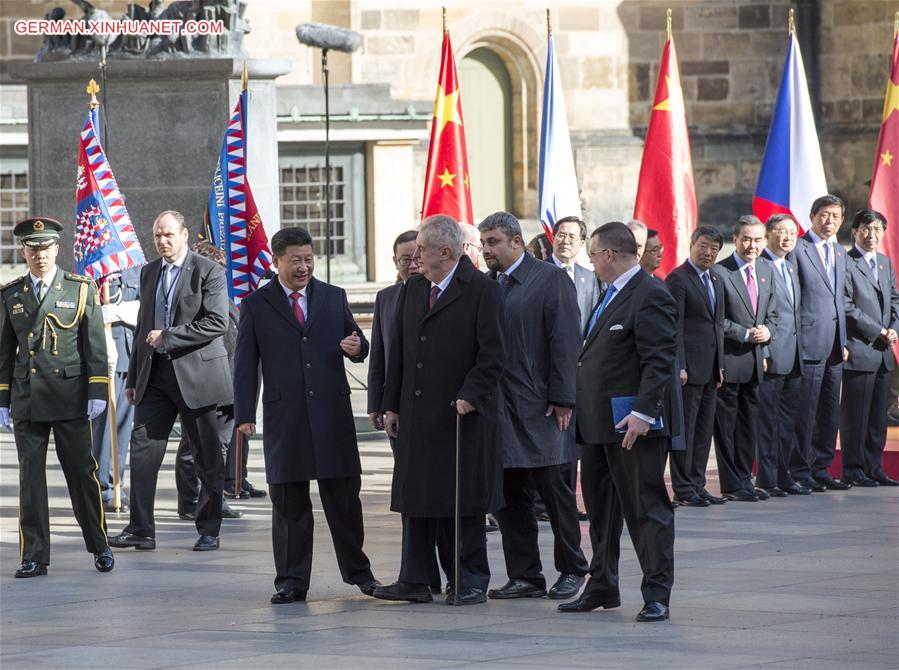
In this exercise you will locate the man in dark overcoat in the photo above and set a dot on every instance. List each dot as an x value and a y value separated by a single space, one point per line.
535 419
300 330
446 369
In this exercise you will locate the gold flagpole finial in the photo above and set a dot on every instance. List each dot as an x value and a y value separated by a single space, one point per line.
443 18
668 23
549 25
92 89
791 21
244 78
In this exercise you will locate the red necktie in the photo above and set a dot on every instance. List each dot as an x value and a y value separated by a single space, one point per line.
752 289
435 293
297 310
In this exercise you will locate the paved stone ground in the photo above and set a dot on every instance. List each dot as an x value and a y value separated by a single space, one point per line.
797 583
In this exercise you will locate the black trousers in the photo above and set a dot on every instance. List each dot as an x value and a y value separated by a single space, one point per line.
518 523
187 482
688 465
779 398
153 420
292 531
73 448
735 434
629 486
420 534
818 418
863 422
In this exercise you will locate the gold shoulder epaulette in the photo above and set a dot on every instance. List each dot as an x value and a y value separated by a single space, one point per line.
72 275
17 280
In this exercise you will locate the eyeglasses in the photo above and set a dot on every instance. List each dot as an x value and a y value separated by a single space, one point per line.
571 237
473 245
870 228
599 251
403 261
657 251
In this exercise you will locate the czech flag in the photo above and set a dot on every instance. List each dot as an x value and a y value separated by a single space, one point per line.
792 173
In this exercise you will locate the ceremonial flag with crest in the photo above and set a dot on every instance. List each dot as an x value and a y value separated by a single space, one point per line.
105 240
791 177
233 223
666 197
447 188
885 182
559 196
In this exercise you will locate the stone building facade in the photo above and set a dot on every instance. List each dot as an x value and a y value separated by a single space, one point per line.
731 54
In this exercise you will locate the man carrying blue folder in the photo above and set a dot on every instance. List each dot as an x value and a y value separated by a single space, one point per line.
624 421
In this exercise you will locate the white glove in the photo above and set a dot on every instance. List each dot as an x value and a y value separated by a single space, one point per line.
4 418
95 408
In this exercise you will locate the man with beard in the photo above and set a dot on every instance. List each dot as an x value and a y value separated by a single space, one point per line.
535 428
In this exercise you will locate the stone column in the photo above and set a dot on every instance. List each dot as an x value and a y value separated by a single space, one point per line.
166 121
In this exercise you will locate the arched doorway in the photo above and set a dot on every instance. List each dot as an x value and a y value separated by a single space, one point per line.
487 109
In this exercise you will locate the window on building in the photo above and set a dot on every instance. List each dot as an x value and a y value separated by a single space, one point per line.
302 183
13 207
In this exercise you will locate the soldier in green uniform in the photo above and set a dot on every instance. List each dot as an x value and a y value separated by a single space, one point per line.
53 375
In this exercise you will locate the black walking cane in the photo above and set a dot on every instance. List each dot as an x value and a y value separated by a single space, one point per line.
457 514
238 462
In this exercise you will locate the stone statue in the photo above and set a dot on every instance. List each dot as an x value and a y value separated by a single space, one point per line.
87 47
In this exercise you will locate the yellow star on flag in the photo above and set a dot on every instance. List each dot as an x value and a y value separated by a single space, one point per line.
446 179
446 109
891 102
675 100
466 182
887 158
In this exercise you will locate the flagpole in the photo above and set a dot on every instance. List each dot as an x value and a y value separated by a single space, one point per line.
668 24
443 18
896 26
327 167
791 22
549 26
103 93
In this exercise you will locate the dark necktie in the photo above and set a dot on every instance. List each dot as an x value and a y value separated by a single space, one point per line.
752 289
708 287
40 290
297 309
435 293
873 265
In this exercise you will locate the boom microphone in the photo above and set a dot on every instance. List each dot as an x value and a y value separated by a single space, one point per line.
324 36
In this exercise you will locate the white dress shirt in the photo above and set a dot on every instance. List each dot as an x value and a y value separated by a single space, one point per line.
568 267
304 304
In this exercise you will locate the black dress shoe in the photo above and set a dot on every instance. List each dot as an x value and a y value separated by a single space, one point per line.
863 481
187 516
760 493
31 569
741 496
517 588
582 516
491 525
653 611
543 516
835 484
206 543
109 506
436 590
286 596
126 540
469 596
252 490
368 588
243 495
883 480
412 593
797 490
566 586
813 485
228 513
104 561
713 500
691 501
589 602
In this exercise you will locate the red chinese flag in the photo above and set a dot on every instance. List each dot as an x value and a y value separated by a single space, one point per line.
885 182
447 190
666 199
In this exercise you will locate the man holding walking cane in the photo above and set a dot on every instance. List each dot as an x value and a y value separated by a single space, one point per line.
443 380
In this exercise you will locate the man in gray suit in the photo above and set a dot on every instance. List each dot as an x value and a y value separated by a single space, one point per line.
750 317
872 322
179 366
779 392
536 431
821 263
569 234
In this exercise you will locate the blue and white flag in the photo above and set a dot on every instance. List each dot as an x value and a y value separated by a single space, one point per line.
559 195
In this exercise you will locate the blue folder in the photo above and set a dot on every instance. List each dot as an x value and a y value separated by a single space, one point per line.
624 405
